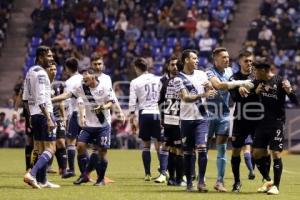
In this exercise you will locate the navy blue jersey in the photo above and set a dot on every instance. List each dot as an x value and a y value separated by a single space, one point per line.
243 104
273 98
169 102
57 88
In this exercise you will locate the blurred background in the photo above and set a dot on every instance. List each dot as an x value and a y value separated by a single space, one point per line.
120 30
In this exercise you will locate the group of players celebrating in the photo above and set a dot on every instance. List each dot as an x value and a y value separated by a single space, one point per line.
184 111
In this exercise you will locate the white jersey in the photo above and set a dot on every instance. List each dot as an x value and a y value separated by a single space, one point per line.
144 94
101 94
105 80
37 90
190 111
73 82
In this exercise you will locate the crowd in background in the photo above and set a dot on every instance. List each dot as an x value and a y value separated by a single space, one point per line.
275 33
5 14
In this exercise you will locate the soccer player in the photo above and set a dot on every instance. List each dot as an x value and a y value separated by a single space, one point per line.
57 88
73 130
28 132
218 108
169 104
95 123
272 91
244 120
191 85
144 94
37 98
97 64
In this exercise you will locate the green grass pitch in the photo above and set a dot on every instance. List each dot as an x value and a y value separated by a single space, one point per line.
125 168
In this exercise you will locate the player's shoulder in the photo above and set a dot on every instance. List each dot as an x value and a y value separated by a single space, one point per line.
200 73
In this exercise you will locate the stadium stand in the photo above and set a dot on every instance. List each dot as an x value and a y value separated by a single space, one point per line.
123 29
275 34
5 14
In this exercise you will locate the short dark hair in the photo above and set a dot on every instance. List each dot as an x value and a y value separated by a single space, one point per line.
245 53
91 71
262 65
168 61
72 64
218 50
96 56
141 63
41 51
186 54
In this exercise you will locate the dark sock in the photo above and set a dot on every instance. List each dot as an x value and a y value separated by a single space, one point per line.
101 167
179 168
42 162
71 151
202 163
61 156
188 164
43 174
268 163
253 162
262 168
164 154
247 157
235 166
171 165
146 156
94 159
277 168
194 165
28 150
82 162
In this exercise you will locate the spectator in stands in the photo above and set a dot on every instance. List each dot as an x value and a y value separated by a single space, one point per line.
202 26
206 45
280 59
4 130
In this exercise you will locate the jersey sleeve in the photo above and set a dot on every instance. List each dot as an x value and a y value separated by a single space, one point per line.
210 74
40 83
178 84
132 97
25 91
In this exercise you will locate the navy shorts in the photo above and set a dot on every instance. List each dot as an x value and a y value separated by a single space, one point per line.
73 126
61 129
243 132
40 128
218 125
194 133
269 134
99 136
172 136
149 125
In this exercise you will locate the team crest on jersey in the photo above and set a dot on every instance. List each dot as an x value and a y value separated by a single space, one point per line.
275 87
52 92
100 92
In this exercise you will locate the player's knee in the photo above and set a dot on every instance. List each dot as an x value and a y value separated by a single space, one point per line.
276 154
102 152
257 154
81 147
236 152
60 143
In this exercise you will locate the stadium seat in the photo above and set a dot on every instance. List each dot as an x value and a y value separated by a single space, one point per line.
79 41
36 41
171 41
93 41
